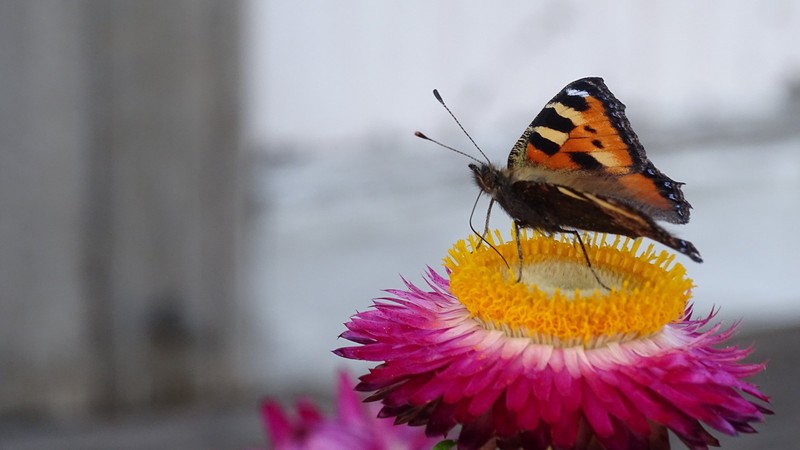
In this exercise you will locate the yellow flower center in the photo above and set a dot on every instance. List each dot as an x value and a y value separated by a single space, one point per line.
558 300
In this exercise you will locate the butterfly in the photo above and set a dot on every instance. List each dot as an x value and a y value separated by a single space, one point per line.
580 166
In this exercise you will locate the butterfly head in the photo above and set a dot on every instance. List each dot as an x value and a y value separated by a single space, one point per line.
487 177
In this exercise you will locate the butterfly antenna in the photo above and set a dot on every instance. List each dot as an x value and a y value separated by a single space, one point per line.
422 136
439 98
482 238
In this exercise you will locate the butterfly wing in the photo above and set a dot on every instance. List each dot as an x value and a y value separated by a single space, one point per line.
582 139
551 208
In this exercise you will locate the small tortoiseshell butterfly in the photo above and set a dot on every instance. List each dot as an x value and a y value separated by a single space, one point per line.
579 165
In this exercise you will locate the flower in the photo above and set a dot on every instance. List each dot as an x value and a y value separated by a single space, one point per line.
555 360
354 426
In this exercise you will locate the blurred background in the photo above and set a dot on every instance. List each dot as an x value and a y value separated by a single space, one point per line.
195 195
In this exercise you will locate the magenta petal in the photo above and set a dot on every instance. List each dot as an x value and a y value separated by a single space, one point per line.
596 413
542 383
484 400
570 391
308 413
440 368
353 426
348 406
564 432
517 394
530 417
505 423
475 433
276 422
442 420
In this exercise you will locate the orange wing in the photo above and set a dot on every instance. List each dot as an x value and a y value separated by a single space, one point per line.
583 139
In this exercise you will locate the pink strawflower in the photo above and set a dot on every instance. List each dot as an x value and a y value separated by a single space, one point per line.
354 426
555 361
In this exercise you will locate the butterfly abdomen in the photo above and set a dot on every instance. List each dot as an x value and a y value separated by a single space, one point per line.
561 208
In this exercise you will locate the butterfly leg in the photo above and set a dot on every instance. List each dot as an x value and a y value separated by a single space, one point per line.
577 236
486 224
519 249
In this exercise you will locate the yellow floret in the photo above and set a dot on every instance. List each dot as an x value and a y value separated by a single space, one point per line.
558 300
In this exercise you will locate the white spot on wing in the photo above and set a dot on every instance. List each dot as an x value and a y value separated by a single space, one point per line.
577 93
555 136
607 159
568 113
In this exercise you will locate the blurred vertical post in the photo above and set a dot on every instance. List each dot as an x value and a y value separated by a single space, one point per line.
119 203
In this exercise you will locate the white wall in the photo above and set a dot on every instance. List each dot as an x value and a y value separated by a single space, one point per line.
322 70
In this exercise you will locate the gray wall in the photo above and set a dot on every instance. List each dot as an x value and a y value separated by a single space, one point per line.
119 203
